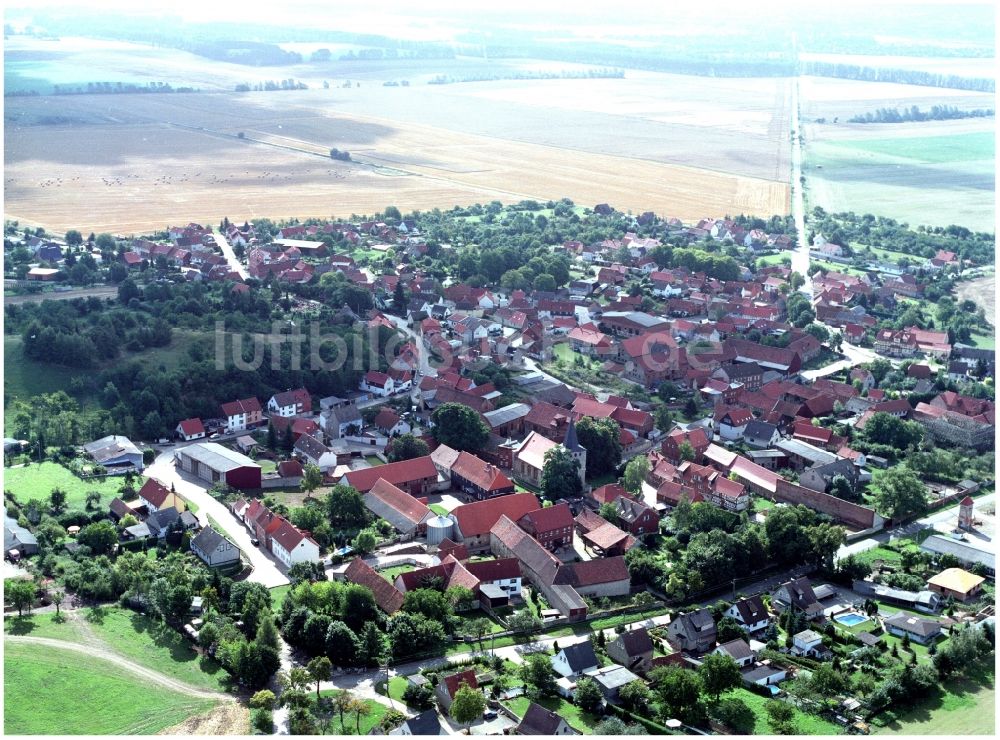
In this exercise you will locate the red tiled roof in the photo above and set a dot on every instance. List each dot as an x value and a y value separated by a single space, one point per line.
447 547
480 473
590 407
386 418
605 536
287 534
399 500
478 518
290 468
154 492
495 570
243 406
387 596
455 681
607 493
593 572
374 377
192 426
550 518
397 473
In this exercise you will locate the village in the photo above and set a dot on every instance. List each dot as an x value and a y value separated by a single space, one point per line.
579 505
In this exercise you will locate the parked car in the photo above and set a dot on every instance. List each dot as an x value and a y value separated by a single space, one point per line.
255 542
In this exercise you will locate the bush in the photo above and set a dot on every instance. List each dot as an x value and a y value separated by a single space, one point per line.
262 722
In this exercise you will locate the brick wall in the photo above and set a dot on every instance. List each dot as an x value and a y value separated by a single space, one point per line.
852 514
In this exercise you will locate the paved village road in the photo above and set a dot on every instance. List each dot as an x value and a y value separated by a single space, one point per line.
800 257
92 651
230 255
266 569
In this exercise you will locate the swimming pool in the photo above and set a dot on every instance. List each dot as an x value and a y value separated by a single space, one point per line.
851 619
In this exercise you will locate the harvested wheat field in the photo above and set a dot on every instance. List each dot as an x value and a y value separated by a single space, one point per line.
133 163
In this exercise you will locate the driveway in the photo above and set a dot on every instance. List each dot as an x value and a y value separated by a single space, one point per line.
266 569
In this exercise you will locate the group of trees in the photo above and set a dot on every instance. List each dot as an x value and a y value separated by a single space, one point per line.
342 621
913 113
922 242
709 546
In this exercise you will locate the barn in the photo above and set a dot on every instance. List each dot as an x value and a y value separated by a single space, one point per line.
213 463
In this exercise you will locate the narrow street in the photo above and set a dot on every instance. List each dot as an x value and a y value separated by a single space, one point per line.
230 255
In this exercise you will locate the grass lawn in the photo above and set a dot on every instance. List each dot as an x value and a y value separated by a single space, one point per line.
879 553
375 713
278 596
762 504
154 645
438 509
53 693
773 259
41 625
397 685
38 479
390 573
805 724
267 466
964 706
574 716
984 341
373 461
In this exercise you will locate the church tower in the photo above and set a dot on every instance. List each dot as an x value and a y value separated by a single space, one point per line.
579 453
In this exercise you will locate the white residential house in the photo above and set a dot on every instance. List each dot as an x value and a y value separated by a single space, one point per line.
377 383
575 659
733 424
290 403
809 643
750 613
290 546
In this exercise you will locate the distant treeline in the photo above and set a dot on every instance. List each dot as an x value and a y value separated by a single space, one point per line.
430 51
119 88
271 85
721 65
936 113
566 74
904 76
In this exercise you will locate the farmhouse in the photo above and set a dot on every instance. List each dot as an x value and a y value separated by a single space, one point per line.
415 476
474 521
387 596
404 512
217 464
242 414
